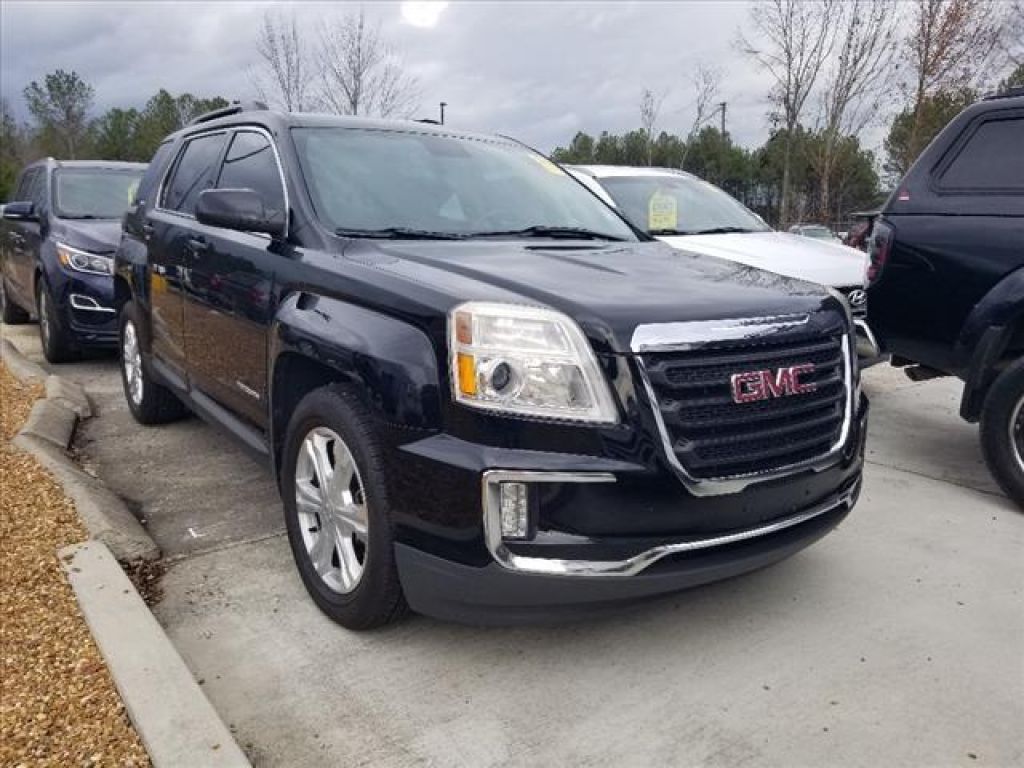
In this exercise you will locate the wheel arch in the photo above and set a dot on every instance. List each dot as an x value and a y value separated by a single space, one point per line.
316 341
992 337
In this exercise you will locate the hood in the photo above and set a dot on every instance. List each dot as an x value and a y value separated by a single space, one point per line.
95 235
608 288
791 255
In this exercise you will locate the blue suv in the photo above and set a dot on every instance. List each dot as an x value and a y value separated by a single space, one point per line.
57 243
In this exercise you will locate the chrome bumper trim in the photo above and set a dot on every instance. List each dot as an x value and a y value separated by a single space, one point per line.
630 566
88 304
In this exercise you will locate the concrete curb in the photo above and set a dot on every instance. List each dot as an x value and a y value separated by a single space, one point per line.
173 717
20 366
47 435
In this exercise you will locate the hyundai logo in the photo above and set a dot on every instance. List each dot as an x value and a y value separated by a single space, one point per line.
752 386
857 298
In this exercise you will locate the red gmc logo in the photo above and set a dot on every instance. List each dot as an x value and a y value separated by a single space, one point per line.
752 386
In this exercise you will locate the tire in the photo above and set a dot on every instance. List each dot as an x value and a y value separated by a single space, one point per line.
350 573
149 402
53 336
1002 431
10 313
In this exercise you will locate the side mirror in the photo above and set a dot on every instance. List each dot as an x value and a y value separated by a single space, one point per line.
21 211
240 209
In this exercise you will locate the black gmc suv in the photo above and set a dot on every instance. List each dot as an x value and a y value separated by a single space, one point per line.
484 395
946 293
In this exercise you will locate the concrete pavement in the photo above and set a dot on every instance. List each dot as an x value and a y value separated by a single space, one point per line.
896 640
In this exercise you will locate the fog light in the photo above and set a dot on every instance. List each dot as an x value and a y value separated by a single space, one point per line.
515 511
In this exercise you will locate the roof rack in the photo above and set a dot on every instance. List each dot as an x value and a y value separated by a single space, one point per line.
1008 93
236 107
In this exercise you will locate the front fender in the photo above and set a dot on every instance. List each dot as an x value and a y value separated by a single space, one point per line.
392 362
130 270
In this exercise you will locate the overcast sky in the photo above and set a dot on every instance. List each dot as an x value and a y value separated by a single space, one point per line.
536 71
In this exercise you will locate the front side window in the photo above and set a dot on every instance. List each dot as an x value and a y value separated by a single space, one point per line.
250 164
372 181
195 172
992 159
679 205
94 193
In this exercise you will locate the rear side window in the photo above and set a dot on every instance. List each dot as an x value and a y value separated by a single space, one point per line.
251 164
195 172
992 160
157 166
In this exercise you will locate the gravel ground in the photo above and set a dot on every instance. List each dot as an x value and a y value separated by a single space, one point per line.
58 705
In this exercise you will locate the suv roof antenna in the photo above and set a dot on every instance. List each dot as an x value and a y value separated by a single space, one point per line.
236 107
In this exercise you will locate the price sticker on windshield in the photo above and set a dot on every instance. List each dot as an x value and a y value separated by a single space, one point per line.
662 212
547 165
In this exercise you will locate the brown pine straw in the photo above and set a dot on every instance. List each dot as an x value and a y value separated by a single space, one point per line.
58 704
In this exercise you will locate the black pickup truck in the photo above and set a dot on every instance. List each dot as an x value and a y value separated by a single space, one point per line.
946 294
483 393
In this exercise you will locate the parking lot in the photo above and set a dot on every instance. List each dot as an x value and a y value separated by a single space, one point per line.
897 640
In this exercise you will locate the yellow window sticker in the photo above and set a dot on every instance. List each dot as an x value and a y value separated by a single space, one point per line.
547 165
661 212
132 189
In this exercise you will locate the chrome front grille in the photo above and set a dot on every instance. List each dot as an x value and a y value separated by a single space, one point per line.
712 437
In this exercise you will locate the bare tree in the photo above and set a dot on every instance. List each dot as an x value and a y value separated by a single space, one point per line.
360 74
866 46
650 107
950 44
791 39
284 75
706 83
1012 42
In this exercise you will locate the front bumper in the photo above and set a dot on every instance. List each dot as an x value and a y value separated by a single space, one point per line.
603 537
496 594
86 306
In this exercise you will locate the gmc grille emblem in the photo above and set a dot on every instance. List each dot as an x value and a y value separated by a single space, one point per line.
752 386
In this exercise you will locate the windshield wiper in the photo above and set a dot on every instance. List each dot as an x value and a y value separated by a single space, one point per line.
85 217
540 230
398 233
720 231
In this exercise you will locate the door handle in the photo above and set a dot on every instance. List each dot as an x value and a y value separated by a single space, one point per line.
197 245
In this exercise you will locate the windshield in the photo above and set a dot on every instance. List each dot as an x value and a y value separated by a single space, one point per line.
679 205
366 182
94 193
821 233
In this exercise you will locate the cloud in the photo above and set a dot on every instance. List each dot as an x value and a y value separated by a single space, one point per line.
537 71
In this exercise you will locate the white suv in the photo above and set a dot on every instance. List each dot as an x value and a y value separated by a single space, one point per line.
690 214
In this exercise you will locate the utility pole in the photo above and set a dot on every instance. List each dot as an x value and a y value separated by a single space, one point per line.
723 105
443 105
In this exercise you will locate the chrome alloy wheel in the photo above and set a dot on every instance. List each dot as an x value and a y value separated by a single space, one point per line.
1017 433
331 507
131 360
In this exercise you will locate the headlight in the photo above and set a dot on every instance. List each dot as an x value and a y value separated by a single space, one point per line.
83 261
527 361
